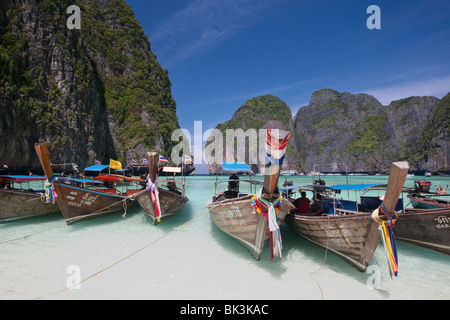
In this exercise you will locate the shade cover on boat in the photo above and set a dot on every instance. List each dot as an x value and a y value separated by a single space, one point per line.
97 167
235 166
352 186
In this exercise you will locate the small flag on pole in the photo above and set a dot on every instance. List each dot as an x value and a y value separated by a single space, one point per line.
97 162
187 158
145 161
113 164
162 159
5 166
133 161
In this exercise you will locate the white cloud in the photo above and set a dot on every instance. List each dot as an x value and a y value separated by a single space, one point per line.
437 87
203 24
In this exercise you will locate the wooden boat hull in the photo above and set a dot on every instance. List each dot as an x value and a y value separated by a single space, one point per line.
79 204
425 228
235 217
170 202
353 237
428 203
16 204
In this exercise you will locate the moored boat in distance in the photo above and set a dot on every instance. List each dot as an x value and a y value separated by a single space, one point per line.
343 228
289 173
249 217
81 203
162 197
18 202
422 202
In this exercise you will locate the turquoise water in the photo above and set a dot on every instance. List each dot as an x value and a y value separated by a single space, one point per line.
188 257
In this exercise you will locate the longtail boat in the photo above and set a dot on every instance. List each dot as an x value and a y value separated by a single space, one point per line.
352 234
429 228
253 218
81 203
422 202
17 201
162 197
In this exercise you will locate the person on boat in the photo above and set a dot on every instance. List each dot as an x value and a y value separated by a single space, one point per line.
302 204
441 191
233 187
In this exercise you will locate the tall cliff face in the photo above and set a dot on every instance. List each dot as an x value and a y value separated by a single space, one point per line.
355 132
340 132
92 93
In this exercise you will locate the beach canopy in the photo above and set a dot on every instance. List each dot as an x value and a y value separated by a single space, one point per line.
295 186
235 166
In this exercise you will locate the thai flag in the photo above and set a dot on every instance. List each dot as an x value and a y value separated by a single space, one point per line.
5 166
144 160
187 158
133 161
162 159
97 162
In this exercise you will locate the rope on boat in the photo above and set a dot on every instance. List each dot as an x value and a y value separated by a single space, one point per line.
324 259
269 210
29 235
386 224
128 256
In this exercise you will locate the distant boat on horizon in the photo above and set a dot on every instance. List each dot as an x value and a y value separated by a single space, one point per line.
289 173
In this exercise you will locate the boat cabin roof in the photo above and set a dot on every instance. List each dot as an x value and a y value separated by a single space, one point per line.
235 167
172 169
97 167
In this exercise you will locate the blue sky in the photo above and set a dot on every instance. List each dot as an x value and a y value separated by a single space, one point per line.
220 53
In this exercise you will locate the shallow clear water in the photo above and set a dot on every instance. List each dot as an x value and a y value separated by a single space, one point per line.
188 257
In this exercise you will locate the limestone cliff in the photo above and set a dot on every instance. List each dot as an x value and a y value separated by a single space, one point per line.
355 132
92 93
338 132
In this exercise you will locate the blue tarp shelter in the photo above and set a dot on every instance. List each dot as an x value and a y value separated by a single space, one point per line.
235 167
97 167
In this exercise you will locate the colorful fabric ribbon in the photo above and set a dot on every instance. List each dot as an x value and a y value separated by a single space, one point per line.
155 198
387 236
50 193
270 210
275 150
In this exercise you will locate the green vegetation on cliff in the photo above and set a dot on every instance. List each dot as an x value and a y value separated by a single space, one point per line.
256 112
96 92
